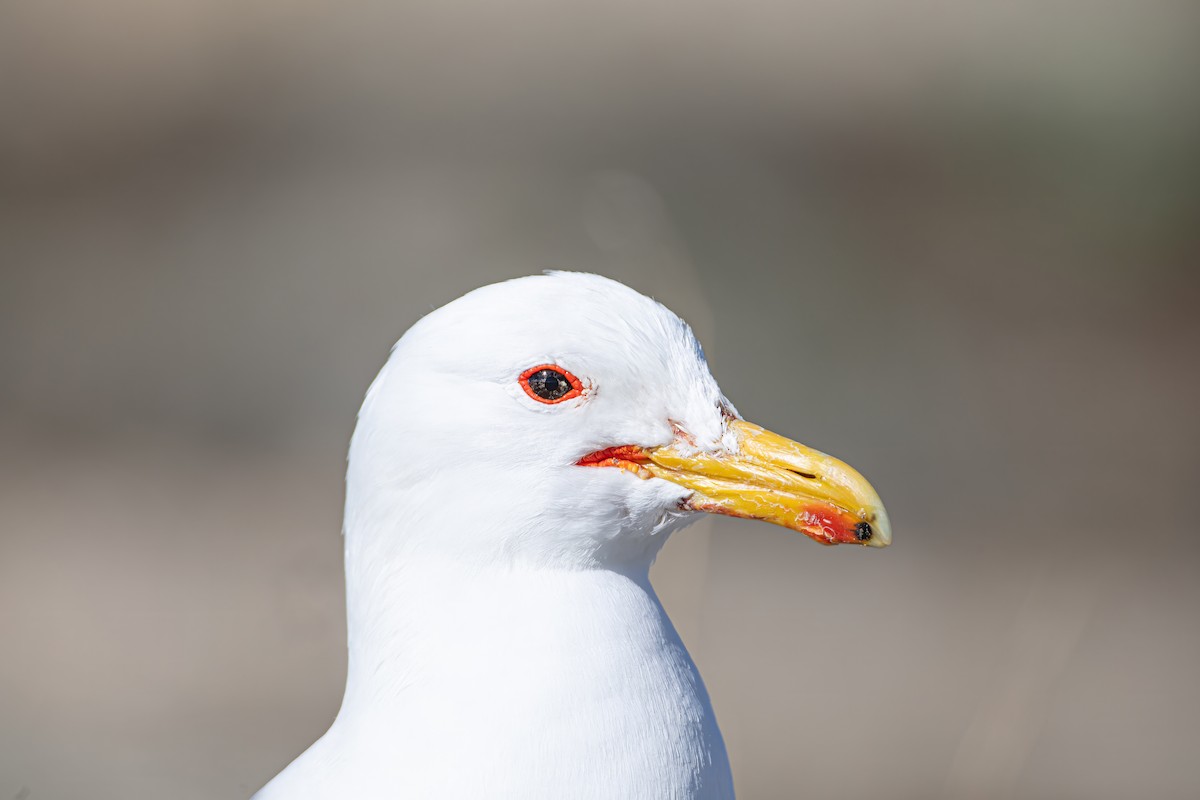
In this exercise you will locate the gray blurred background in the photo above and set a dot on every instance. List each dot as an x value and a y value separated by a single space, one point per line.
955 244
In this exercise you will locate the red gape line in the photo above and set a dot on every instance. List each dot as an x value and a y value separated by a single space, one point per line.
576 384
613 456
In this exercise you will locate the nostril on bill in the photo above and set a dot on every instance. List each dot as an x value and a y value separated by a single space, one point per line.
808 475
863 532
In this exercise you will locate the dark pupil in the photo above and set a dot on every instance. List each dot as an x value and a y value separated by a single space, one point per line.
549 384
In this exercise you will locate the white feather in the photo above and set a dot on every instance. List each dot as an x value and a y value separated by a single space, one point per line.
504 639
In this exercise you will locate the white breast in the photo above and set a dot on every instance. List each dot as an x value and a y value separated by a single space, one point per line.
518 684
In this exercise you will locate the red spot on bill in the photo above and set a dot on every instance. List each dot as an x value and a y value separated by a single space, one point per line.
829 524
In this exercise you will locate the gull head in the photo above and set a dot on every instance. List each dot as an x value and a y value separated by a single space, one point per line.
567 420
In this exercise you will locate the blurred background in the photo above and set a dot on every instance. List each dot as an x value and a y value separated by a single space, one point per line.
955 244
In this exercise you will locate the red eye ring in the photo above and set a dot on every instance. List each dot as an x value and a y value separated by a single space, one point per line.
550 396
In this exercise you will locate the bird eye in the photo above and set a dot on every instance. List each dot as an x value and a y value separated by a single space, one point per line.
550 384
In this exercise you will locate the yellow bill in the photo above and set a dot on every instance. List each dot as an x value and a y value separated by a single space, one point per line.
766 476
772 478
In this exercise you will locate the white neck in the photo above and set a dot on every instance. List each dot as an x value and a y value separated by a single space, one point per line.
509 680
480 670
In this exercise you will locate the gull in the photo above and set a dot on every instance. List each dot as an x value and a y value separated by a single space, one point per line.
517 465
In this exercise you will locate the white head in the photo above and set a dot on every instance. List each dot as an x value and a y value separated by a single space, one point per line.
456 457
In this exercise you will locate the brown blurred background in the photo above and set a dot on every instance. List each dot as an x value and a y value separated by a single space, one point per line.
955 244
